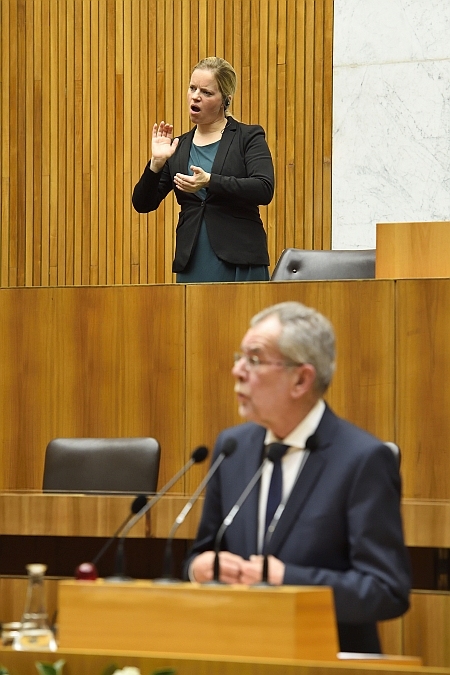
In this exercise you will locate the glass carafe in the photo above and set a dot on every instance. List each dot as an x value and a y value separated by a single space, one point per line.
35 633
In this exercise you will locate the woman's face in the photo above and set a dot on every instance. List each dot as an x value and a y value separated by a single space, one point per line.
204 98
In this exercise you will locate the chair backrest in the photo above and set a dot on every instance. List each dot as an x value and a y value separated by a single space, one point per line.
296 264
128 465
396 450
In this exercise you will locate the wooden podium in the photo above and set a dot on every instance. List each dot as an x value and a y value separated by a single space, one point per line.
282 622
412 250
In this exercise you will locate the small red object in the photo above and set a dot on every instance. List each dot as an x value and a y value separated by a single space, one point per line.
86 572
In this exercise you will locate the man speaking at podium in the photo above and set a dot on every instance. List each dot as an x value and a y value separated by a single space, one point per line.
336 488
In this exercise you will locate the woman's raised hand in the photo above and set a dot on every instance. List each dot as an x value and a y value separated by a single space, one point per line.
163 146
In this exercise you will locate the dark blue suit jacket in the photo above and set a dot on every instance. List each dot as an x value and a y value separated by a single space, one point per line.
242 178
341 526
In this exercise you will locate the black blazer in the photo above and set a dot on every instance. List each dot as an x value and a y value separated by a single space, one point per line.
341 526
242 178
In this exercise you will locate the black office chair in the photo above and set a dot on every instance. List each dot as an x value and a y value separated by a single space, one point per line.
129 465
296 264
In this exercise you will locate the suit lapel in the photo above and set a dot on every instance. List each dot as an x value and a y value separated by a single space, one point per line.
249 515
181 157
224 146
305 482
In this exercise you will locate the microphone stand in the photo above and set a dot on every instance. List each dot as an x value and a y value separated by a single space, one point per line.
167 576
265 569
227 522
197 456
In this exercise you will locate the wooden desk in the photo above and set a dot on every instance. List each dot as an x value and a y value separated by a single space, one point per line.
75 515
28 513
90 662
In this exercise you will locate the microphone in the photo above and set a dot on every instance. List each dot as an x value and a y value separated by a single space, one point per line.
198 455
229 447
311 444
88 570
136 506
275 450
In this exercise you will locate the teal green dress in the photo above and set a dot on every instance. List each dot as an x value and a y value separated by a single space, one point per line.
204 265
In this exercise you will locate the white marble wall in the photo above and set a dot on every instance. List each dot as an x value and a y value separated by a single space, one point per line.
391 116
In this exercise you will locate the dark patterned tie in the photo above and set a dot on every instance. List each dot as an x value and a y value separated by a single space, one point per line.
275 453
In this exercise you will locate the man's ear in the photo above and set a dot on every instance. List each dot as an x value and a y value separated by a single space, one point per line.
305 379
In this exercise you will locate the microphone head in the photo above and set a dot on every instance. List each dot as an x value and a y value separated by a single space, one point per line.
229 447
200 454
138 503
276 451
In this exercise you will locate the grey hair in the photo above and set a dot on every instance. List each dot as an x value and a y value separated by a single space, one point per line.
306 337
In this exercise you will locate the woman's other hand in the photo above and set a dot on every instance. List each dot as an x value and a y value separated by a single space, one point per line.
186 183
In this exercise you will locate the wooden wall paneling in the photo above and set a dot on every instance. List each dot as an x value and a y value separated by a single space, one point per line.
35 156
292 56
118 127
391 636
140 256
277 238
86 142
139 28
90 362
70 144
53 134
427 626
423 395
308 102
300 139
362 313
43 154
65 171
29 123
426 521
4 141
22 76
135 150
14 150
275 58
96 77
108 228
318 122
75 206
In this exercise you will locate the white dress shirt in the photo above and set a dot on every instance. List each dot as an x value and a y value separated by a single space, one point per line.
291 463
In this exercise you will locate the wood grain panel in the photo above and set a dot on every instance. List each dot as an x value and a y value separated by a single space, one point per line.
427 627
391 636
82 83
92 663
413 250
283 622
423 394
32 513
362 313
90 362
426 521
37 514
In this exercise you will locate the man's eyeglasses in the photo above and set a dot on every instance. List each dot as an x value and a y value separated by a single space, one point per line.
252 361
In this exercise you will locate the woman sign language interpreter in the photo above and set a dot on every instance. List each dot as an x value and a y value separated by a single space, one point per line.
221 172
